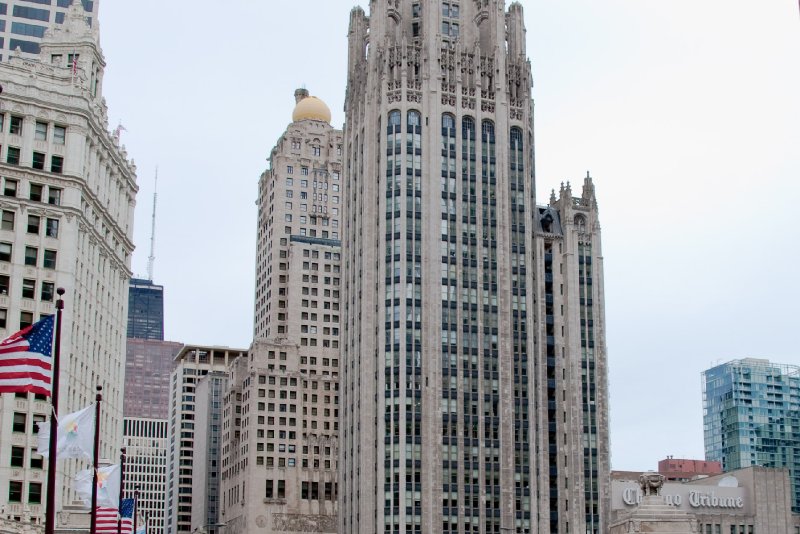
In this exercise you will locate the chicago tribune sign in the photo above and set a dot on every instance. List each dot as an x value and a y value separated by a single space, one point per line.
687 497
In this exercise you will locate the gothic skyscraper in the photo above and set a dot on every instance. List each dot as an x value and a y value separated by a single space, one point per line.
473 376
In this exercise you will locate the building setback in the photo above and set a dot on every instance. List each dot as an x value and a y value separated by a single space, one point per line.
751 416
68 195
473 369
281 408
25 23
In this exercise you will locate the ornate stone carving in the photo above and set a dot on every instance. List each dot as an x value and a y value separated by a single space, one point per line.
651 483
304 523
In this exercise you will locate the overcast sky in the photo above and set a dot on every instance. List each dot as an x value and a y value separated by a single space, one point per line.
686 112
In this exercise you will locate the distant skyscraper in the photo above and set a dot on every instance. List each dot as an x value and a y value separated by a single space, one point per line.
192 364
68 196
148 366
473 373
25 22
206 491
282 405
751 416
145 310
146 447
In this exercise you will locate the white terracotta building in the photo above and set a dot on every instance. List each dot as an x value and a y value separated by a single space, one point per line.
67 201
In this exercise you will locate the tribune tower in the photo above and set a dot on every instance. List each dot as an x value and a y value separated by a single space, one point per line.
473 376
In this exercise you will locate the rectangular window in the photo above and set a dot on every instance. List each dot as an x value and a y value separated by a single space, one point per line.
49 259
19 424
5 251
34 493
37 461
25 319
48 291
36 192
3 317
12 157
34 222
28 288
17 456
51 228
14 491
54 196
41 131
38 161
56 164
10 188
4 284
37 418
31 13
8 220
15 125
59 135
31 256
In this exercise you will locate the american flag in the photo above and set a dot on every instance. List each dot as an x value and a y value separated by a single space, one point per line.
25 362
107 518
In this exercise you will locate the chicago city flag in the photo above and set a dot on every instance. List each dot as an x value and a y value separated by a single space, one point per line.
75 435
108 481
25 362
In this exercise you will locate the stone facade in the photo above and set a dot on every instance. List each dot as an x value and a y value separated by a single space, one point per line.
281 409
474 391
745 501
67 209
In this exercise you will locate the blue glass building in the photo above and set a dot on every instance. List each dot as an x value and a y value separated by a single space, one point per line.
145 310
751 416
23 22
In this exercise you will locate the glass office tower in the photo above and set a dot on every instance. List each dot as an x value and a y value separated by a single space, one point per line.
751 416
23 22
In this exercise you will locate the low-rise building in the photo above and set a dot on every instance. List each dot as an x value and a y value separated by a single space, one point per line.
753 500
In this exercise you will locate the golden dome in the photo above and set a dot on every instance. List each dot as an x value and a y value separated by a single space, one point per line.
311 108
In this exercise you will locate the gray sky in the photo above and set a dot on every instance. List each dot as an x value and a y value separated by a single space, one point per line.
686 113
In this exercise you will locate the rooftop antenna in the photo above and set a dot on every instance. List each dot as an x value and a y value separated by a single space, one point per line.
152 258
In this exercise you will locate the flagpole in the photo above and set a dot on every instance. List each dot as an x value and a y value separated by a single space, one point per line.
50 510
121 488
96 460
135 508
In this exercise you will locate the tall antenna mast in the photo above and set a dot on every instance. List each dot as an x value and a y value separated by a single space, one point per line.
152 258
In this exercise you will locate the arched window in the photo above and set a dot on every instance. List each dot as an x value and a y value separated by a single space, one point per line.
394 118
516 139
448 153
468 128
487 132
413 119
448 122
580 224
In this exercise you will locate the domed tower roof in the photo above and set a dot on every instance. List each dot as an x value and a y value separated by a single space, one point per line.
310 108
